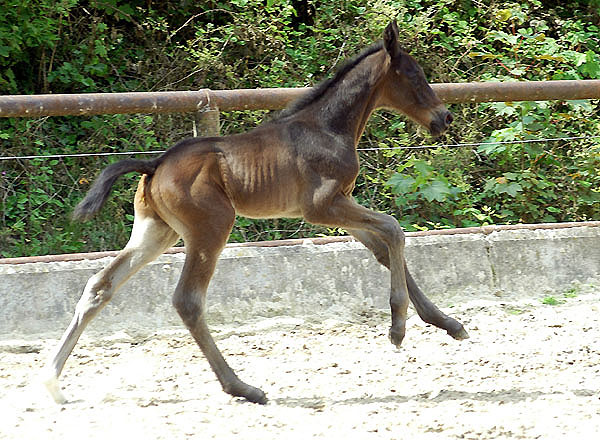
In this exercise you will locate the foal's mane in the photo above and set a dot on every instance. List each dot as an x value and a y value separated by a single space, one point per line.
321 88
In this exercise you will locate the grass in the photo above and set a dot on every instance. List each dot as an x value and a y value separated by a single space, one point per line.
551 301
571 293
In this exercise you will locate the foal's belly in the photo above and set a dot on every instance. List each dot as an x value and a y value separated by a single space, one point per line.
269 203
260 187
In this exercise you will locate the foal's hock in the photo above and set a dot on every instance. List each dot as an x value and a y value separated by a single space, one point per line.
302 164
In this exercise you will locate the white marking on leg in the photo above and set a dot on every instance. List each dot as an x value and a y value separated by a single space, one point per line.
53 387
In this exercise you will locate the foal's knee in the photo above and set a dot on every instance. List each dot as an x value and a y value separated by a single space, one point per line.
383 257
392 232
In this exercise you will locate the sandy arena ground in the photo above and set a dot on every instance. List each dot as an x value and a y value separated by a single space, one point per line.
529 371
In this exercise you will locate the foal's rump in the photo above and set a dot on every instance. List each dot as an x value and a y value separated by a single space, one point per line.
100 190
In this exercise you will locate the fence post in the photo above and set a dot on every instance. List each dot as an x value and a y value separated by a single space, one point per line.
206 122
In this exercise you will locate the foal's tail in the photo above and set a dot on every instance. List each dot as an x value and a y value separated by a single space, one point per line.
100 190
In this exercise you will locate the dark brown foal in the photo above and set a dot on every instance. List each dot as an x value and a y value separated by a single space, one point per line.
302 164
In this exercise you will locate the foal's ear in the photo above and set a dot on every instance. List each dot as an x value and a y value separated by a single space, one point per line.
390 39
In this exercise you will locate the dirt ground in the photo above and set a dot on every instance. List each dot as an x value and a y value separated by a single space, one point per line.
530 370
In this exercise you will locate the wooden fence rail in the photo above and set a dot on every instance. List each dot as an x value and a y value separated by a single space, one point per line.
206 103
272 99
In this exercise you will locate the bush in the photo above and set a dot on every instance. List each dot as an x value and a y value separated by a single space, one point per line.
73 46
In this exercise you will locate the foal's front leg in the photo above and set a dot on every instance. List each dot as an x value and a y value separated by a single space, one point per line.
431 314
398 287
425 308
344 212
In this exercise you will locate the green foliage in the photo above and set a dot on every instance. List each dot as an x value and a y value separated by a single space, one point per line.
571 293
552 301
419 185
506 181
77 46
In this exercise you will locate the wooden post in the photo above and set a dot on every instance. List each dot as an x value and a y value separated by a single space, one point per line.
206 123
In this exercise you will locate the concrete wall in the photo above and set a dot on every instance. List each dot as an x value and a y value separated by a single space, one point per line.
334 279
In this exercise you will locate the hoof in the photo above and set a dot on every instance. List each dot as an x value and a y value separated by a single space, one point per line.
250 393
396 336
455 329
256 395
459 333
53 388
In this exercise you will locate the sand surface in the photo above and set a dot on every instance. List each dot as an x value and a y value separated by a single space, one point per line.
530 370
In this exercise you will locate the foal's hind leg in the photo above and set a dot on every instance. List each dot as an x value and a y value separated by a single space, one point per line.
207 229
149 238
425 308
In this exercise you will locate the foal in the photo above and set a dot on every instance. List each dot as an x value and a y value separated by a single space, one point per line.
302 164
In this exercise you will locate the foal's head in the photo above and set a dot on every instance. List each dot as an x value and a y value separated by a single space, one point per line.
406 90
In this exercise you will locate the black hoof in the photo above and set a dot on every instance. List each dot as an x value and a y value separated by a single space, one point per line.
250 393
457 331
257 396
396 336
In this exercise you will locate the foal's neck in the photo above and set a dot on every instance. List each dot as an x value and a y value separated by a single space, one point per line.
348 106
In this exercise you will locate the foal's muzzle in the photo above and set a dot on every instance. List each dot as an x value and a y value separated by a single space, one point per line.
441 121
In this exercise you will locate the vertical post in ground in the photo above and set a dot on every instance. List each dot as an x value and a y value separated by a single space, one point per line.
207 123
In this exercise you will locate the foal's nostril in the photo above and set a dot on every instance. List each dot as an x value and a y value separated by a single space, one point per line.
442 118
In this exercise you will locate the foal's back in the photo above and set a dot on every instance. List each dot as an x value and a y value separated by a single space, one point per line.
259 172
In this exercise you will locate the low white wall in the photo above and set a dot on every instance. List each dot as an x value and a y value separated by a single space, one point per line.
329 279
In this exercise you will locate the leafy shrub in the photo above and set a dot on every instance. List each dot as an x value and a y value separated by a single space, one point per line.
76 46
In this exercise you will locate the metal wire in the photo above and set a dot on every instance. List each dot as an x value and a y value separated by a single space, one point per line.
60 156
476 144
404 147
